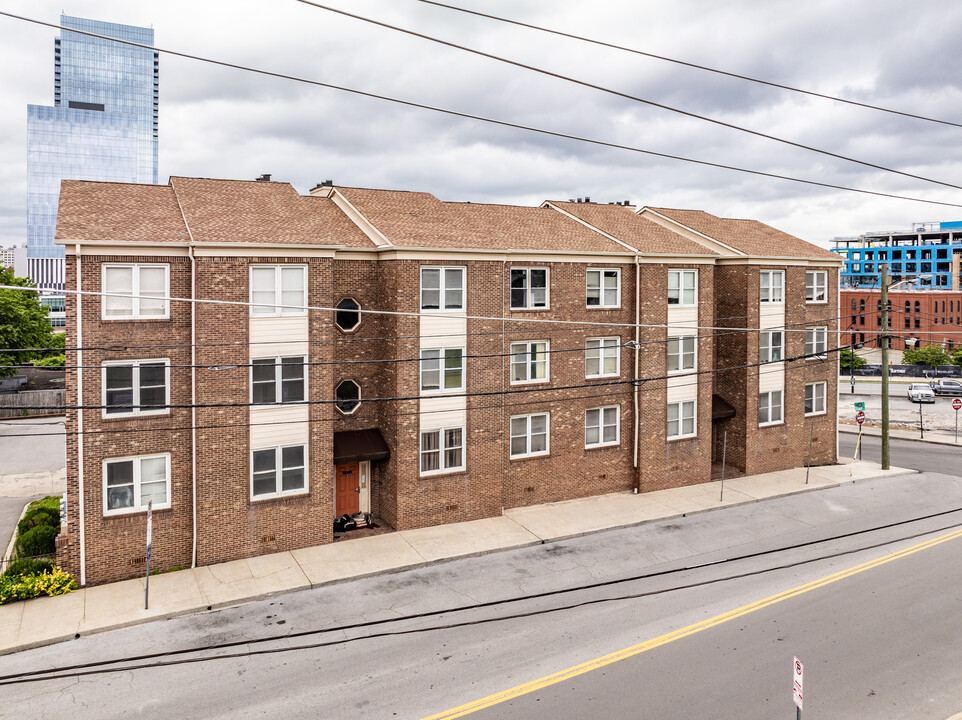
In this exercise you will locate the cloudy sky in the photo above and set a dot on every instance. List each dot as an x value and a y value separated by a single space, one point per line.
224 123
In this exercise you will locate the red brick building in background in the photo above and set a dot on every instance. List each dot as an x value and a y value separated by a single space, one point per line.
423 361
919 316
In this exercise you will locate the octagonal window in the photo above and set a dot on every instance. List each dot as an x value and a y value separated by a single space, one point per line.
346 315
347 396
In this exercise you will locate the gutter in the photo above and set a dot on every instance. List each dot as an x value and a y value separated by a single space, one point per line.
80 427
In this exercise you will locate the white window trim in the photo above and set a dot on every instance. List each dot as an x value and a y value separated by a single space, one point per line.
137 411
278 472
681 287
442 450
442 308
278 311
816 333
824 409
601 356
135 292
771 285
278 389
601 288
824 285
681 435
360 315
527 354
137 508
681 354
527 289
781 407
547 436
441 370
769 346
601 427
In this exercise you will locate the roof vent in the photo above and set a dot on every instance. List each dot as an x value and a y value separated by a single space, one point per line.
265 177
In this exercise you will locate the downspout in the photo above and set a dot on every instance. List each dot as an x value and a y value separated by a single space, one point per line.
80 424
193 405
637 384
505 365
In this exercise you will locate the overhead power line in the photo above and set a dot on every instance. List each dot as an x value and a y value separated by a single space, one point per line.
627 96
686 63
493 121
681 326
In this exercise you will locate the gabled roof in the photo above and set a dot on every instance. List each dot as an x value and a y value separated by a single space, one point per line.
750 237
112 211
417 219
639 232
250 211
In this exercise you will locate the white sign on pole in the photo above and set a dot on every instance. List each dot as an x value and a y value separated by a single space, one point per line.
150 519
797 685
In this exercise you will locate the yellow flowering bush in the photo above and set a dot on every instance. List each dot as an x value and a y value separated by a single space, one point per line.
34 585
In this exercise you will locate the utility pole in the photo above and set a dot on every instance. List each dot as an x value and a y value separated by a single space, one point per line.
884 341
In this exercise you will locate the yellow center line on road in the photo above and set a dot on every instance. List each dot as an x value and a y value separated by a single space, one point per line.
628 652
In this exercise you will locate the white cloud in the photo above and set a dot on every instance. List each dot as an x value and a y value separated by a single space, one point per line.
218 122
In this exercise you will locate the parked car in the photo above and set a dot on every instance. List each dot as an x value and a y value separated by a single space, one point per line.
920 393
946 387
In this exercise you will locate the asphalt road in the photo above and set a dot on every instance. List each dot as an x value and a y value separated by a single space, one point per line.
31 445
884 642
927 457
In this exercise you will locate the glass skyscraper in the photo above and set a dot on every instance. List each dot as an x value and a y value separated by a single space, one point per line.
102 126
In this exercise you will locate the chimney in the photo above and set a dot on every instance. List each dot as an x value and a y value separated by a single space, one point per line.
265 177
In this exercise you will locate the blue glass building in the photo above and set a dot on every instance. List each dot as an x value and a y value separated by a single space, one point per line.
102 126
929 256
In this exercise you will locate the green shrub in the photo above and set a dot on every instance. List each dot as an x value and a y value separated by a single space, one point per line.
27 566
51 361
37 540
38 517
24 587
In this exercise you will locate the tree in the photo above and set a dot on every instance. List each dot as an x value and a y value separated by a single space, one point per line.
849 360
956 357
23 322
930 355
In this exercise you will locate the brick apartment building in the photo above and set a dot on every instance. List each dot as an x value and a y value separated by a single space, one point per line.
918 316
423 361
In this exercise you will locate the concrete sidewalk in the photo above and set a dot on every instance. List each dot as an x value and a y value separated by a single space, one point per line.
936 437
47 620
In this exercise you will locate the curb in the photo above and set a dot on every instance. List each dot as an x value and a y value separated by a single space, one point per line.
427 563
869 431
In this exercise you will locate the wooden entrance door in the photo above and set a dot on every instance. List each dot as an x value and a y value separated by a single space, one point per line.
347 490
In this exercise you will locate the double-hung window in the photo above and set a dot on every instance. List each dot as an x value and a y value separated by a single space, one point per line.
135 292
442 288
681 420
278 290
278 471
815 398
816 342
131 482
442 450
681 353
529 435
603 287
602 426
529 362
135 387
816 284
442 370
277 380
771 286
770 346
682 286
529 288
770 407
602 357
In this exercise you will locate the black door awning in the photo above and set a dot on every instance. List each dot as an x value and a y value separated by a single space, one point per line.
357 445
720 409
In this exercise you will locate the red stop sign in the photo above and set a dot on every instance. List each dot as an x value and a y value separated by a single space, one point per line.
860 417
957 404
